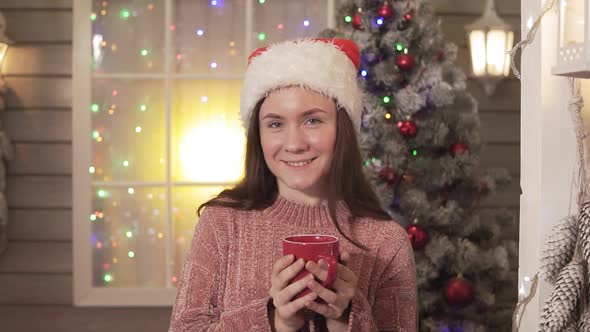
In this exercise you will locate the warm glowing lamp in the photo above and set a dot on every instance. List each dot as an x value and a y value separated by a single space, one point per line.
4 41
573 49
489 40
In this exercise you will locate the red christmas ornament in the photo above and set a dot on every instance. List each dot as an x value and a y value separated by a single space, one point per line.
386 11
357 20
459 148
388 175
458 292
405 62
418 236
408 129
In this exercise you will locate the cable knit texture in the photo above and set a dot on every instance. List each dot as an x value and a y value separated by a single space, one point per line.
226 277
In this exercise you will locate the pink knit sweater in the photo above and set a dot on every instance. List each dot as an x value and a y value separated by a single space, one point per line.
226 278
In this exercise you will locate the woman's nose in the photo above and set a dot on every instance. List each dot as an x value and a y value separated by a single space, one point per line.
295 140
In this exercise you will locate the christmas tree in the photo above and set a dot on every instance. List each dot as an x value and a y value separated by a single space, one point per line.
421 139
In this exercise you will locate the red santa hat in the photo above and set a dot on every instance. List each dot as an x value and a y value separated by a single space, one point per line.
327 66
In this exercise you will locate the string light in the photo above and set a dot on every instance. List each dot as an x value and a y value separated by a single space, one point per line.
92 217
95 108
160 235
399 47
387 116
93 17
150 6
103 12
261 2
347 18
178 56
111 111
125 163
108 278
261 36
103 43
131 254
138 129
95 134
379 21
414 152
364 73
305 23
99 139
280 26
124 14
200 32
144 52
129 234
386 99
130 191
91 170
213 65
115 93
143 108
172 27
114 47
232 43
204 99
102 193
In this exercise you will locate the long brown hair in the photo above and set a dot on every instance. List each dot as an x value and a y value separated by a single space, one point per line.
346 181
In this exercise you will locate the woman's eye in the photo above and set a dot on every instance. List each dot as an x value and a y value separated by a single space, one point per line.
314 121
274 124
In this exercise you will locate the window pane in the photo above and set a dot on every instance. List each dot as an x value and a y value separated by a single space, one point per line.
208 139
185 201
209 36
128 236
279 20
128 36
128 130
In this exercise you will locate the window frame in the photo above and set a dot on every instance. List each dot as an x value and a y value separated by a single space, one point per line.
85 294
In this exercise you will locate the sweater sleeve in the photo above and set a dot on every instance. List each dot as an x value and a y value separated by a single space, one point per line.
395 307
198 305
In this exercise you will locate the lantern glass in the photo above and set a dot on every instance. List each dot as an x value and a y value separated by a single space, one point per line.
477 43
3 49
572 22
496 48
509 43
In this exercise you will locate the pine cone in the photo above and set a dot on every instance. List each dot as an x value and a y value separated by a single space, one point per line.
584 227
560 308
584 323
559 248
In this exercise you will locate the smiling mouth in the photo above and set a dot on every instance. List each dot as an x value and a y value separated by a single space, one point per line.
299 163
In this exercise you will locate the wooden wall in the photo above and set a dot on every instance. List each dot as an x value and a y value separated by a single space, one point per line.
36 271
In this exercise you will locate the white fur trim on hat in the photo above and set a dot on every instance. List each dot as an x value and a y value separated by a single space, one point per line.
317 65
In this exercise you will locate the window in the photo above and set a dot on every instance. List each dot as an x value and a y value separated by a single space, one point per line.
156 129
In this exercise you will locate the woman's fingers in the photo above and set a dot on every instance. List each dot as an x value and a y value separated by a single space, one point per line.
286 294
324 293
282 278
294 306
281 264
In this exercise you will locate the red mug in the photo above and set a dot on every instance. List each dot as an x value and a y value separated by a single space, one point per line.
313 247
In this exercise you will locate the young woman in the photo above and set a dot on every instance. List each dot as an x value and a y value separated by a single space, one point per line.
301 108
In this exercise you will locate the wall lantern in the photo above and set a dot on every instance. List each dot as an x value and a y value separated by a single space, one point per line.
489 40
4 41
573 49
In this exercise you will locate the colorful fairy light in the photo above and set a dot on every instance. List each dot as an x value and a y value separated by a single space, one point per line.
95 108
178 56
115 93
103 12
305 23
387 116
107 277
92 217
125 14
172 27
414 152
138 129
261 2
386 99
129 234
143 108
280 26
347 18
102 193
261 36
144 52
379 21
200 32
125 163
93 17
204 99
131 191
91 170
150 6
114 47
95 134
364 73
399 47
213 65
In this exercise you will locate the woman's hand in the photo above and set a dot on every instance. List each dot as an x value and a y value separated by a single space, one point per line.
336 310
287 313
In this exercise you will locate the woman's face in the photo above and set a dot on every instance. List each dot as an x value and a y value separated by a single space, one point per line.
298 133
